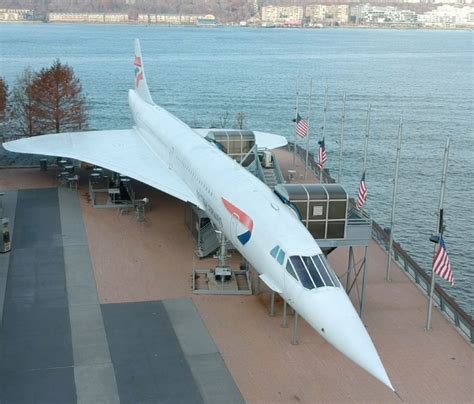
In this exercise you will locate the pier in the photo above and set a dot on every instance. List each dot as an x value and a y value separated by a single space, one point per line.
144 268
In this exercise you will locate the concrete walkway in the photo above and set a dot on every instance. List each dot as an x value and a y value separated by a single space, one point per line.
58 344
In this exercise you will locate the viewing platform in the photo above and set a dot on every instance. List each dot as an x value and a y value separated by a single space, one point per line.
144 268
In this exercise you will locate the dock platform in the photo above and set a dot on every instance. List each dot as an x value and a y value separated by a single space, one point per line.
120 292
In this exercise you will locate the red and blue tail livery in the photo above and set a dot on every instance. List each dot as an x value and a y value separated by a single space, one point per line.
243 218
138 70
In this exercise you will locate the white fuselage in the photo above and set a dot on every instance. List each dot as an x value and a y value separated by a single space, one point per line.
211 175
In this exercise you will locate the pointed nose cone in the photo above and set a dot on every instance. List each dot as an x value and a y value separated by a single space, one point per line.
331 313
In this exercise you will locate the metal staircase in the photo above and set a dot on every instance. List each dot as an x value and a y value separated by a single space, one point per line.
269 177
207 241
268 172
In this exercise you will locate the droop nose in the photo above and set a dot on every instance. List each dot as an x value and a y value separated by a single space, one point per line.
331 313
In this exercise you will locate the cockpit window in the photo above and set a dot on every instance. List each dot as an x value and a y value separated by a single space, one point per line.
290 270
274 251
313 272
278 254
303 274
323 271
331 272
281 257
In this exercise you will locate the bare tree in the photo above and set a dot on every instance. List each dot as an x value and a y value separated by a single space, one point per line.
224 119
58 102
239 120
3 107
3 99
22 118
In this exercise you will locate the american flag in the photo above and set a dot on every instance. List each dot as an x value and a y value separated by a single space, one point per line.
302 126
322 155
362 197
441 265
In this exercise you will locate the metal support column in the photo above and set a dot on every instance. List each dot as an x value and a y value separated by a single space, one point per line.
283 323
349 268
295 338
272 304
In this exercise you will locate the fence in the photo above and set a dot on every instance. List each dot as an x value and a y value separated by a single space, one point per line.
446 304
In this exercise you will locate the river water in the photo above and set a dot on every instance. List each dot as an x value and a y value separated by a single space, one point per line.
207 76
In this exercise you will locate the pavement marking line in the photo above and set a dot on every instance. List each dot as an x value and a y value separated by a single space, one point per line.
207 366
93 369
9 207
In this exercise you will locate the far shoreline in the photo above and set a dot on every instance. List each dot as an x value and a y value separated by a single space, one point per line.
236 25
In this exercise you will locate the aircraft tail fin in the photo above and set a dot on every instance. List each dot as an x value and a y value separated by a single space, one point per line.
141 86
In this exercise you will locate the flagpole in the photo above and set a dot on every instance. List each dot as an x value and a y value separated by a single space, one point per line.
321 168
367 131
341 139
309 129
394 199
296 119
439 228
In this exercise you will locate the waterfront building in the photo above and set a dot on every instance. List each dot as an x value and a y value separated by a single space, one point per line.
8 14
175 19
115 18
282 15
322 13
453 2
365 13
99 18
449 15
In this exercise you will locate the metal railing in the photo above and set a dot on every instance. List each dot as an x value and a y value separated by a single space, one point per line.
446 304
301 152
277 169
462 321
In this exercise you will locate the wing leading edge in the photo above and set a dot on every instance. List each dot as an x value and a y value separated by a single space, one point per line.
122 151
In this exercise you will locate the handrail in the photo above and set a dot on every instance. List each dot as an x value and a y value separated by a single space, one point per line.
260 175
277 169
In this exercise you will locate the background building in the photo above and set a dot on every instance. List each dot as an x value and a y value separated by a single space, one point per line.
324 14
7 14
175 19
282 15
99 18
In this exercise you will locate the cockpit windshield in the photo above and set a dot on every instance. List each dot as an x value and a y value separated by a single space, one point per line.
312 272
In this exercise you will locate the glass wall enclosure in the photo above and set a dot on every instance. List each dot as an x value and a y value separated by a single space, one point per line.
312 272
237 144
322 207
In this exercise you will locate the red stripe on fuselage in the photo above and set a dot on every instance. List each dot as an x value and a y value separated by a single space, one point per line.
243 217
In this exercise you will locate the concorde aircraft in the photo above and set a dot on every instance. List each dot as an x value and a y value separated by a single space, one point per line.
165 153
